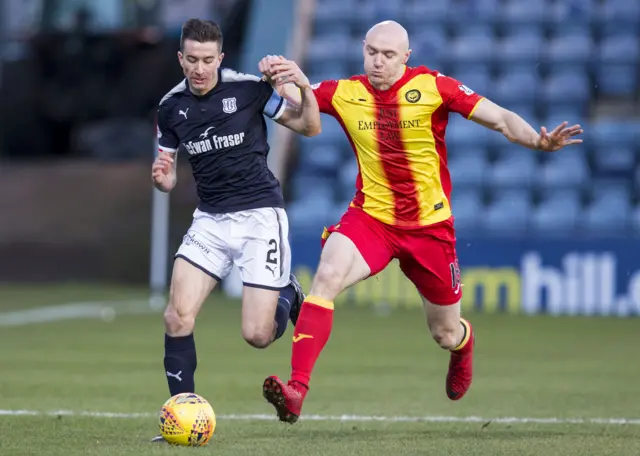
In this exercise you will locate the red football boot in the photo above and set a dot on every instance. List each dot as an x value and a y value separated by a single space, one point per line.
460 372
287 399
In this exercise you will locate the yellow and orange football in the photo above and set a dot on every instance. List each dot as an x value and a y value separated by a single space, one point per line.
187 419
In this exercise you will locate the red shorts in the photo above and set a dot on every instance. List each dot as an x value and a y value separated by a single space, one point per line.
427 255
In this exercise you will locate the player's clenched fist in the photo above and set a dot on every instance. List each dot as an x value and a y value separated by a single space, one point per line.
163 172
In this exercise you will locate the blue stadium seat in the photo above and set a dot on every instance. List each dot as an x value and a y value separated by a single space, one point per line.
419 14
554 115
326 54
455 152
517 12
518 31
635 220
608 213
520 51
347 174
354 57
614 159
518 86
362 17
468 171
310 213
427 45
332 17
567 168
617 65
461 69
608 133
336 212
323 159
573 50
617 79
508 214
467 12
607 186
609 29
310 184
462 132
390 10
514 169
619 13
478 81
570 29
471 50
557 213
332 133
322 70
566 13
467 208
472 30
325 74
619 50
563 88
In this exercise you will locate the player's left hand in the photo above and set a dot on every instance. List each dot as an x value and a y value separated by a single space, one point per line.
285 71
561 136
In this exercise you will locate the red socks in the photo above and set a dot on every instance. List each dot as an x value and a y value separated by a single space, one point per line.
311 334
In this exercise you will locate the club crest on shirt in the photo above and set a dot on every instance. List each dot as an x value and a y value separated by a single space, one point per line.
413 96
229 105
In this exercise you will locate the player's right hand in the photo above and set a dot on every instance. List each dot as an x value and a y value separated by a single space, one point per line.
163 172
287 71
265 66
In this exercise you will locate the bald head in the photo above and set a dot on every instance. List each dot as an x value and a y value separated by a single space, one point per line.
386 51
391 33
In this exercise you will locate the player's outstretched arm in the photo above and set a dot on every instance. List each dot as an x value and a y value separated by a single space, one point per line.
518 131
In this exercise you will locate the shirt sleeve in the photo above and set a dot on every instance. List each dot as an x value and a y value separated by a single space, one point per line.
273 105
324 92
167 139
457 97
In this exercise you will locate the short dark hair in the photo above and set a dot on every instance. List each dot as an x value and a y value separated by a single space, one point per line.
201 31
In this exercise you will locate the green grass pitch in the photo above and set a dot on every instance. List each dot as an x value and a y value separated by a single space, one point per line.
386 366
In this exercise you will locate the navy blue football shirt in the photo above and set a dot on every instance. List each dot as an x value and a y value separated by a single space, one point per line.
225 135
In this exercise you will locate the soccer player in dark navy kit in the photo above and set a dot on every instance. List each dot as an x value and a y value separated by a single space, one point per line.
216 117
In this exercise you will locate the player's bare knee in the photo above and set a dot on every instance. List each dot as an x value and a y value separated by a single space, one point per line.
328 281
258 337
445 335
178 323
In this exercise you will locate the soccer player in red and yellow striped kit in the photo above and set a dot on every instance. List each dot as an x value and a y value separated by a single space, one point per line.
395 117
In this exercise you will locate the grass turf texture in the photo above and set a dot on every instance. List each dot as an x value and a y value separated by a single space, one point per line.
525 367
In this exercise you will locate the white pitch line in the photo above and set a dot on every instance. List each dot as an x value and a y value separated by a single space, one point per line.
345 418
106 310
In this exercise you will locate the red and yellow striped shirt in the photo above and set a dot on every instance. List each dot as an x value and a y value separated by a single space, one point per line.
398 139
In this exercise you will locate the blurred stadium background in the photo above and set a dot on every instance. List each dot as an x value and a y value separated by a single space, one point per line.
559 234
81 79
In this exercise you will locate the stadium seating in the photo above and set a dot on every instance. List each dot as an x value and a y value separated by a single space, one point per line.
548 60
